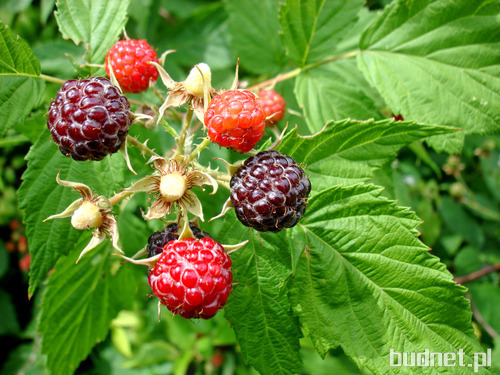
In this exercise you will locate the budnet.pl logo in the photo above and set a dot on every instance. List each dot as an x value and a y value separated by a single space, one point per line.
436 359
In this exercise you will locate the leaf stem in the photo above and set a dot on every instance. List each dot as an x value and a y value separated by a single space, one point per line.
52 79
199 148
141 146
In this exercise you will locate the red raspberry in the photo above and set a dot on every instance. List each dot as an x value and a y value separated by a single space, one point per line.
192 278
235 120
269 192
129 59
89 118
158 240
273 104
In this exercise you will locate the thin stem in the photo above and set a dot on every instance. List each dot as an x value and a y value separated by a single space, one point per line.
284 76
477 274
117 198
215 174
199 148
491 331
185 127
52 79
279 78
141 146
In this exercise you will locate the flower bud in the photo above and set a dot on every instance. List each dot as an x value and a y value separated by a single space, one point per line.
194 83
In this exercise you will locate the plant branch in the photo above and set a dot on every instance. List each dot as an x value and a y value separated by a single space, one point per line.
141 146
491 331
284 76
476 275
52 79
199 148
185 127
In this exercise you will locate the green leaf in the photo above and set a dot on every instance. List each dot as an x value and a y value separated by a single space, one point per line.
40 197
21 89
8 324
78 306
312 29
334 92
97 23
438 62
258 309
366 283
254 29
348 151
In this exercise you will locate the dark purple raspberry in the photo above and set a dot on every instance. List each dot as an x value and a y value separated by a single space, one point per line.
89 118
158 240
269 192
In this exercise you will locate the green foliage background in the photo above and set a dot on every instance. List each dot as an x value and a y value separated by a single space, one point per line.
356 277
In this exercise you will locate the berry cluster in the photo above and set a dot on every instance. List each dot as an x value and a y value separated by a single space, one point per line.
192 278
130 61
269 192
235 119
89 118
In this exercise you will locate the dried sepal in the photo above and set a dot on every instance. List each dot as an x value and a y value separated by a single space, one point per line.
171 184
232 248
90 212
124 151
227 206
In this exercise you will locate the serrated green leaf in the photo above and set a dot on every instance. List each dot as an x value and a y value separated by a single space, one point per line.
21 89
438 62
40 197
254 28
78 307
368 284
334 92
258 309
97 23
348 151
312 29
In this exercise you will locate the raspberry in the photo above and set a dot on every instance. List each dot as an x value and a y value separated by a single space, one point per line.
192 278
273 104
158 240
269 192
89 118
129 59
235 120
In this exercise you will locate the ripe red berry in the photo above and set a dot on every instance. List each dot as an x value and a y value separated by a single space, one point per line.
158 240
235 120
89 118
273 104
129 59
192 278
269 192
